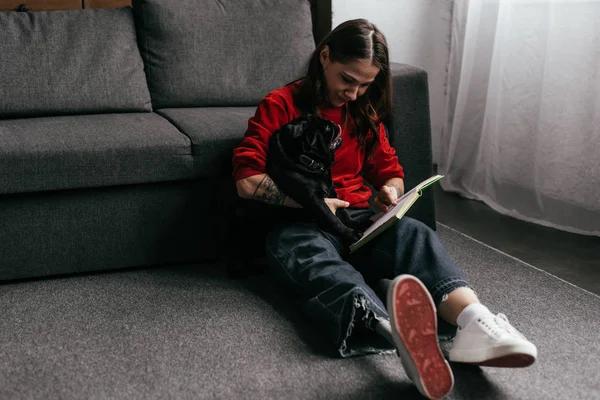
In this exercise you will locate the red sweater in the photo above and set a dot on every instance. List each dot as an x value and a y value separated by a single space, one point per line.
277 109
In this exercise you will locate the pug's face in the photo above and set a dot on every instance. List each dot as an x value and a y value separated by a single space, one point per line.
312 138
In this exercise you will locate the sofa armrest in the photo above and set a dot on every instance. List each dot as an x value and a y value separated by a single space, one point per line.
409 132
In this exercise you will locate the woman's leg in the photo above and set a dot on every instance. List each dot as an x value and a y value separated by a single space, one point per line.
455 303
328 289
483 338
410 247
411 255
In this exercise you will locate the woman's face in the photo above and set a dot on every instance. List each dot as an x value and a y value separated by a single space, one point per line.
346 82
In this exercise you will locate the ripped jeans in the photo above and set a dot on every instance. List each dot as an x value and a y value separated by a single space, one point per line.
337 292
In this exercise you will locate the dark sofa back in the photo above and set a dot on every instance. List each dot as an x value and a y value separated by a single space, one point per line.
70 62
224 53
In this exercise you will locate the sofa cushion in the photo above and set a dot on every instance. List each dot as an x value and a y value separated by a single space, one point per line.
221 53
70 62
214 132
83 151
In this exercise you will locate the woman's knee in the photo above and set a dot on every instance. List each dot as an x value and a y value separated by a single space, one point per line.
276 243
288 244
411 225
287 235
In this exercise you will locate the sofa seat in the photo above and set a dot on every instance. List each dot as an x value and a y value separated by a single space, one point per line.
53 153
214 132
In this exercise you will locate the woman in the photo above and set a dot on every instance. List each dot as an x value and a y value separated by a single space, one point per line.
348 82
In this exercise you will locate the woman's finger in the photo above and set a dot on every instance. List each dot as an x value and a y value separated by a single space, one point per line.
342 204
391 195
386 195
334 204
380 205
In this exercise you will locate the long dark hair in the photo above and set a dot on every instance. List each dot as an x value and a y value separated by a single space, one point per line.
352 40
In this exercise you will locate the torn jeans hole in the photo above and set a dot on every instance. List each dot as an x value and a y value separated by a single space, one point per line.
359 312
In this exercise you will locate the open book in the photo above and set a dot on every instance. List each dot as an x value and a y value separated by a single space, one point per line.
382 221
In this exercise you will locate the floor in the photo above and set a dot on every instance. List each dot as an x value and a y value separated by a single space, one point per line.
574 258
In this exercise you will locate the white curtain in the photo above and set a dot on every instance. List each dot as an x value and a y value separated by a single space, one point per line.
522 127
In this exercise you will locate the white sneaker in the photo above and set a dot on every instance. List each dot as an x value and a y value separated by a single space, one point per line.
492 341
413 319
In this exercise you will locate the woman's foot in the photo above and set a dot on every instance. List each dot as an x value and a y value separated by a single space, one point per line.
490 340
414 330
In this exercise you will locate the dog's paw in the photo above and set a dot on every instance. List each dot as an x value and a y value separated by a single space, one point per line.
357 234
365 224
352 236
357 225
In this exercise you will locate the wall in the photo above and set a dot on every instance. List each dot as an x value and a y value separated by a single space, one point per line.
53 5
418 33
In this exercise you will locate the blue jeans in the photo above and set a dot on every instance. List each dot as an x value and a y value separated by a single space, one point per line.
336 289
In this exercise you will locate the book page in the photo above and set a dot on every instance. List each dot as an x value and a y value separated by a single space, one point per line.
419 187
391 213
404 203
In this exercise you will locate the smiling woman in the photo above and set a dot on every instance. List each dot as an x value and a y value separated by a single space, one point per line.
348 83
351 66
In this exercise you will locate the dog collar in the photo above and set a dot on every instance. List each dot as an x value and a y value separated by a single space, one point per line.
312 164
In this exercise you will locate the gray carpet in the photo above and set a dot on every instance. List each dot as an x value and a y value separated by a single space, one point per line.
188 332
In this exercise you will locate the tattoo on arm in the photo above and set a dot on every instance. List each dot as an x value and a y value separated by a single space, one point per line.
268 192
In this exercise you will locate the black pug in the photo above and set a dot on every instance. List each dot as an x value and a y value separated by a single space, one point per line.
299 161
300 157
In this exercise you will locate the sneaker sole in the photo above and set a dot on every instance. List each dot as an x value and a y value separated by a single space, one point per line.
511 361
504 357
414 328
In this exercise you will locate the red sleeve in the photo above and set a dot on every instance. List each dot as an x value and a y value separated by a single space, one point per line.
383 165
250 157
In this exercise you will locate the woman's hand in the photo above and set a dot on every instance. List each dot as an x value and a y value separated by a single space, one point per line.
334 204
387 197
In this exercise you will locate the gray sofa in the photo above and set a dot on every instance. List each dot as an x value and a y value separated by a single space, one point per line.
117 127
